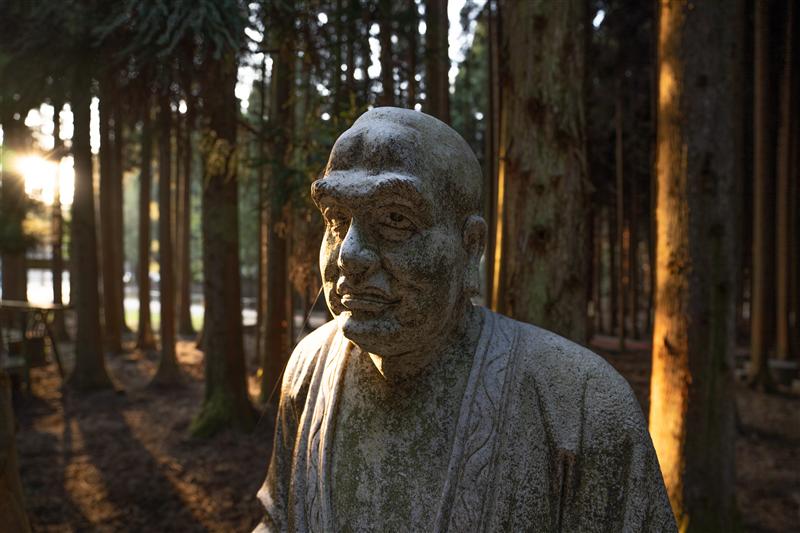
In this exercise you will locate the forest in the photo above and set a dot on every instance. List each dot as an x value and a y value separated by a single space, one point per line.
159 247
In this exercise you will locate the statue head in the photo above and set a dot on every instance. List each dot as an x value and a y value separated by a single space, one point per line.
401 199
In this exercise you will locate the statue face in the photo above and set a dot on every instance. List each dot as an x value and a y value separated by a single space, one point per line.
403 240
392 260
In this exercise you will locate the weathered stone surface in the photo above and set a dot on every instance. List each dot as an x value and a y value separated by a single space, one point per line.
414 410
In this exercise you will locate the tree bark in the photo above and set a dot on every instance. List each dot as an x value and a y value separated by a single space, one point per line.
386 56
413 52
15 276
118 201
619 166
437 60
275 328
544 144
12 508
112 319
57 225
788 108
168 372
226 402
185 326
90 370
763 191
144 334
699 179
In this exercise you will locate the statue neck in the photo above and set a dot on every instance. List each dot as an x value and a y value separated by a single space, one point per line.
462 337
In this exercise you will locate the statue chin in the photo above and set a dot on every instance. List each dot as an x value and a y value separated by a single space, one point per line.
378 335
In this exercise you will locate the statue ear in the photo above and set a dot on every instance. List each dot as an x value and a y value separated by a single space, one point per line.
473 238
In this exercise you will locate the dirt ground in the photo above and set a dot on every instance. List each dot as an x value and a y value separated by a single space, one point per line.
123 461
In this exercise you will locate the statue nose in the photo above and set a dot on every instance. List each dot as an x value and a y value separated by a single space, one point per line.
355 255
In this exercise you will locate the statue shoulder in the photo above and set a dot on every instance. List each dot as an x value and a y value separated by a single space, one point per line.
571 379
301 363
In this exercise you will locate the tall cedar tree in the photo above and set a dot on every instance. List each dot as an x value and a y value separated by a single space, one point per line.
762 294
12 209
12 511
385 18
144 334
90 370
542 163
57 226
274 329
184 190
118 167
168 370
111 310
788 115
226 403
698 179
437 61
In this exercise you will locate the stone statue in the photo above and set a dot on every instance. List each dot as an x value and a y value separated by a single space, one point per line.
414 410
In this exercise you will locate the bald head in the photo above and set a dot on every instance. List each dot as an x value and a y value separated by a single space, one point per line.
390 140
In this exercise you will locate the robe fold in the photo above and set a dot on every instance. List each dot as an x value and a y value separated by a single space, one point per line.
549 438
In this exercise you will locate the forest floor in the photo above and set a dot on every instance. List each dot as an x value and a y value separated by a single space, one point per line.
122 461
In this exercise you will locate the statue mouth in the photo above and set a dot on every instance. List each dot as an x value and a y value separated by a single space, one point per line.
368 302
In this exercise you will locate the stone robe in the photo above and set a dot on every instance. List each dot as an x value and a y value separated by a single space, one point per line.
548 438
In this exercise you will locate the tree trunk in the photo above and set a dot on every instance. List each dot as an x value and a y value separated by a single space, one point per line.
274 331
544 251
413 50
12 508
59 327
619 166
144 335
185 326
387 56
118 201
613 261
633 260
763 191
691 394
437 60
15 276
112 319
90 370
226 402
492 294
168 371
788 109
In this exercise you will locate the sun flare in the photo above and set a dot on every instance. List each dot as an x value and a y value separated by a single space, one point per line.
42 176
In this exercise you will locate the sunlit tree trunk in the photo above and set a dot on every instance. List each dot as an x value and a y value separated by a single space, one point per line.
13 209
275 328
168 371
112 319
763 191
698 183
90 370
544 249
144 334
437 61
226 402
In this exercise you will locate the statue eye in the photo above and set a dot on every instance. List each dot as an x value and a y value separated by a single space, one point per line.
395 226
396 220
